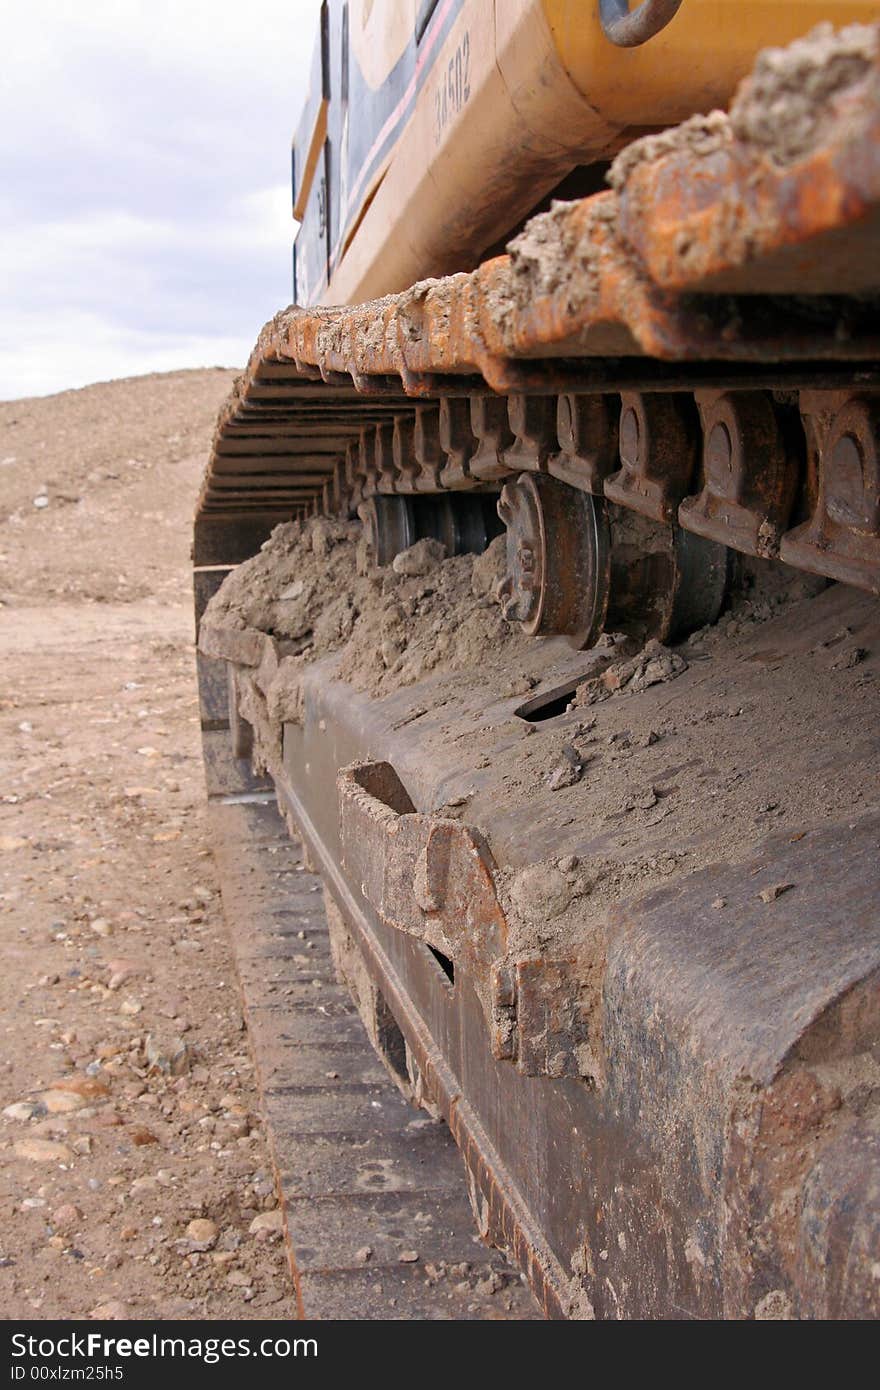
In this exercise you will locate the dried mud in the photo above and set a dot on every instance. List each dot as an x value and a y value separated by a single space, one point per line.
688 758
667 760
313 589
794 99
550 254
700 135
797 95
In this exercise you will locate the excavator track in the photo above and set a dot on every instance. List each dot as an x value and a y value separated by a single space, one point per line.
666 1105
377 1221
739 290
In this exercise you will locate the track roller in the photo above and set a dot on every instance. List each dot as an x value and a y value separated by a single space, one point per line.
664 583
577 566
464 523
389 526
558 559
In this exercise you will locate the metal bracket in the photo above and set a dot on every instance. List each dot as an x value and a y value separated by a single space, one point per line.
842 537
658 453
432 878
742 504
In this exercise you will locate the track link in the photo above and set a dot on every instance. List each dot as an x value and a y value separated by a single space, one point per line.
367 1182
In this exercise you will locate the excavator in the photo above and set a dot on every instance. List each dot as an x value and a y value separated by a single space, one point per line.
536 568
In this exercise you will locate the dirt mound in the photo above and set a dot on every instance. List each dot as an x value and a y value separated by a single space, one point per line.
445 618
294 585
314 590
99 485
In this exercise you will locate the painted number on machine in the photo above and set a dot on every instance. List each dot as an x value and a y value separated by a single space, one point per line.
454 87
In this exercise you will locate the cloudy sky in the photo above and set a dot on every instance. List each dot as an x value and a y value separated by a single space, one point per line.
145 202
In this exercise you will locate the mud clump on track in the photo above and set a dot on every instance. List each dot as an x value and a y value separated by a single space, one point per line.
543 255
444 618
796 94
299 587
796 98
701 135
314 590
791 102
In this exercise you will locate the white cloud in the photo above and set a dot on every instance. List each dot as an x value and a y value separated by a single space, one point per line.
75 348
145 214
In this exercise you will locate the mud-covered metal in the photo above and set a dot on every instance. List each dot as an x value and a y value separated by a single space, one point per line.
426 876
690 1088
667 1108
558 559
433 878
710 269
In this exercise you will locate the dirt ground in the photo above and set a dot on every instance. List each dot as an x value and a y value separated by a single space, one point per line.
134 1176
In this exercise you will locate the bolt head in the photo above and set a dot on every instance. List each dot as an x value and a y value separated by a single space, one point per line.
526 557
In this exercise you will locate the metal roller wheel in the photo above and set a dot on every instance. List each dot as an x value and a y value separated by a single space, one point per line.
389 526
558 564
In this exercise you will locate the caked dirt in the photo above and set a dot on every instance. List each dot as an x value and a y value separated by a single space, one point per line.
134 1174
314 589
794 98
666 760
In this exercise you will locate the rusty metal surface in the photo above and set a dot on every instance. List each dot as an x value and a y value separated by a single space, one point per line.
356 1166
707 251
841 539
710 269
714 1156
429 877
730 223
674 1116
432 878
738 500
658 454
